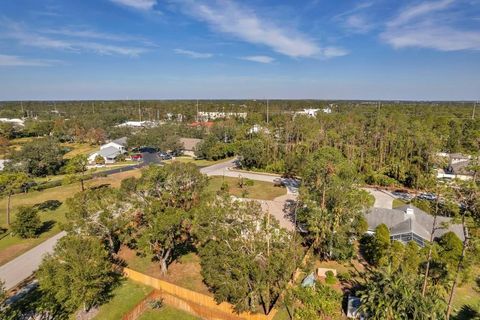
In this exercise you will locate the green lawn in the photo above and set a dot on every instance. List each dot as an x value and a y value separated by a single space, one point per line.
79 148
260 189
167 313
398 203
198 163
125 297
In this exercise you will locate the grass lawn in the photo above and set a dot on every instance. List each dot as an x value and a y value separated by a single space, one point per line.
125 297
185 272
167 313
78 148
398 203
199 163
260 189
12 246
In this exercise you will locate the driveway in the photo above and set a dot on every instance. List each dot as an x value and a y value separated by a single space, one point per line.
22 267
383 199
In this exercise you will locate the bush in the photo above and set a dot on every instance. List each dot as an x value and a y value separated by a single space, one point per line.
47 185
330 278
344 276
27 224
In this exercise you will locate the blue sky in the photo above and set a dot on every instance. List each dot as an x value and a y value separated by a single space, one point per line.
162 49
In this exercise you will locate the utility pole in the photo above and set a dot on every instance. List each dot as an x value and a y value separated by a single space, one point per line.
139 111
473 111
267 112
196 117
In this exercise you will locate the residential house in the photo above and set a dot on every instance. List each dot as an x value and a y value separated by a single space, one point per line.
258 129
138 124
120 144
13 121
409 223
110 151
189 145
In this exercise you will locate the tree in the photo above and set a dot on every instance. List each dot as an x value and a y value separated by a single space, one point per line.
391 295
316 302
103 213
77 164
99 160
77 274
376 247
246 258
27 224
39 158
164 197
333 206
10 182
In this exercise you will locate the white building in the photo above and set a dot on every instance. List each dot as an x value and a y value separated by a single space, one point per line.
312 112
110 151
14 121
207 116
137 124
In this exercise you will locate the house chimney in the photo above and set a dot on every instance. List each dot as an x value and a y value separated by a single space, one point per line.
409 213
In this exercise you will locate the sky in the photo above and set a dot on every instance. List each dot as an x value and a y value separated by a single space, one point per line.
249 49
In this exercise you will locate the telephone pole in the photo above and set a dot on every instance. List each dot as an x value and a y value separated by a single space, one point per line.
473 111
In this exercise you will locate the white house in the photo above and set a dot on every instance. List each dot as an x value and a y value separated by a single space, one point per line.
110 151
120 144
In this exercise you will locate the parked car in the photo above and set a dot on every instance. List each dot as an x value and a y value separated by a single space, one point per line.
147 149
164 155
137 157
427 196
402 194
278 182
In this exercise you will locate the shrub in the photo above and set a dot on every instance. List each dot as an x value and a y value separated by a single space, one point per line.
344 276
27 224
330 278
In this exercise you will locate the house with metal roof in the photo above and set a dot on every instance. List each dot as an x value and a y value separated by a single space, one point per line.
109 154
409 223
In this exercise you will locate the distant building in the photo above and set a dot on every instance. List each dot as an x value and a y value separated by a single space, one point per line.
14 121
409 223
137 124
312 112
207 116
189 145
120 144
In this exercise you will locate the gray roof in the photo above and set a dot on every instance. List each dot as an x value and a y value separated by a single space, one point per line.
109 152
121 141
420 222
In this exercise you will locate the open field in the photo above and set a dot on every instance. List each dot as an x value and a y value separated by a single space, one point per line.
78 148
125 297
13 246
260 190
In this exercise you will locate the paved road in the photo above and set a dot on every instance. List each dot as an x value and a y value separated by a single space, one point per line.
148 158
226 169
23 266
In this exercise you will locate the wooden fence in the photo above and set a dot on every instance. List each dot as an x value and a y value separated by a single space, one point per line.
142 306
190 301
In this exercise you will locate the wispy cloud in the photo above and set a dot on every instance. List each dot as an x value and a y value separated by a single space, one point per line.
74 43
358 23
193 54
16 61
430 24
260 59
144 5
419 10
244 23
356 20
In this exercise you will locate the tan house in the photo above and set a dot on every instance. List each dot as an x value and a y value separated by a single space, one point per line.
189 146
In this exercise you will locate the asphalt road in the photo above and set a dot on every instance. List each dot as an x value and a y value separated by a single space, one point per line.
383 199
20 268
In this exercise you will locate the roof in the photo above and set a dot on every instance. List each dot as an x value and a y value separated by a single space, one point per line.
419 222
121 141
108 152
207 124
190 143
460 168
